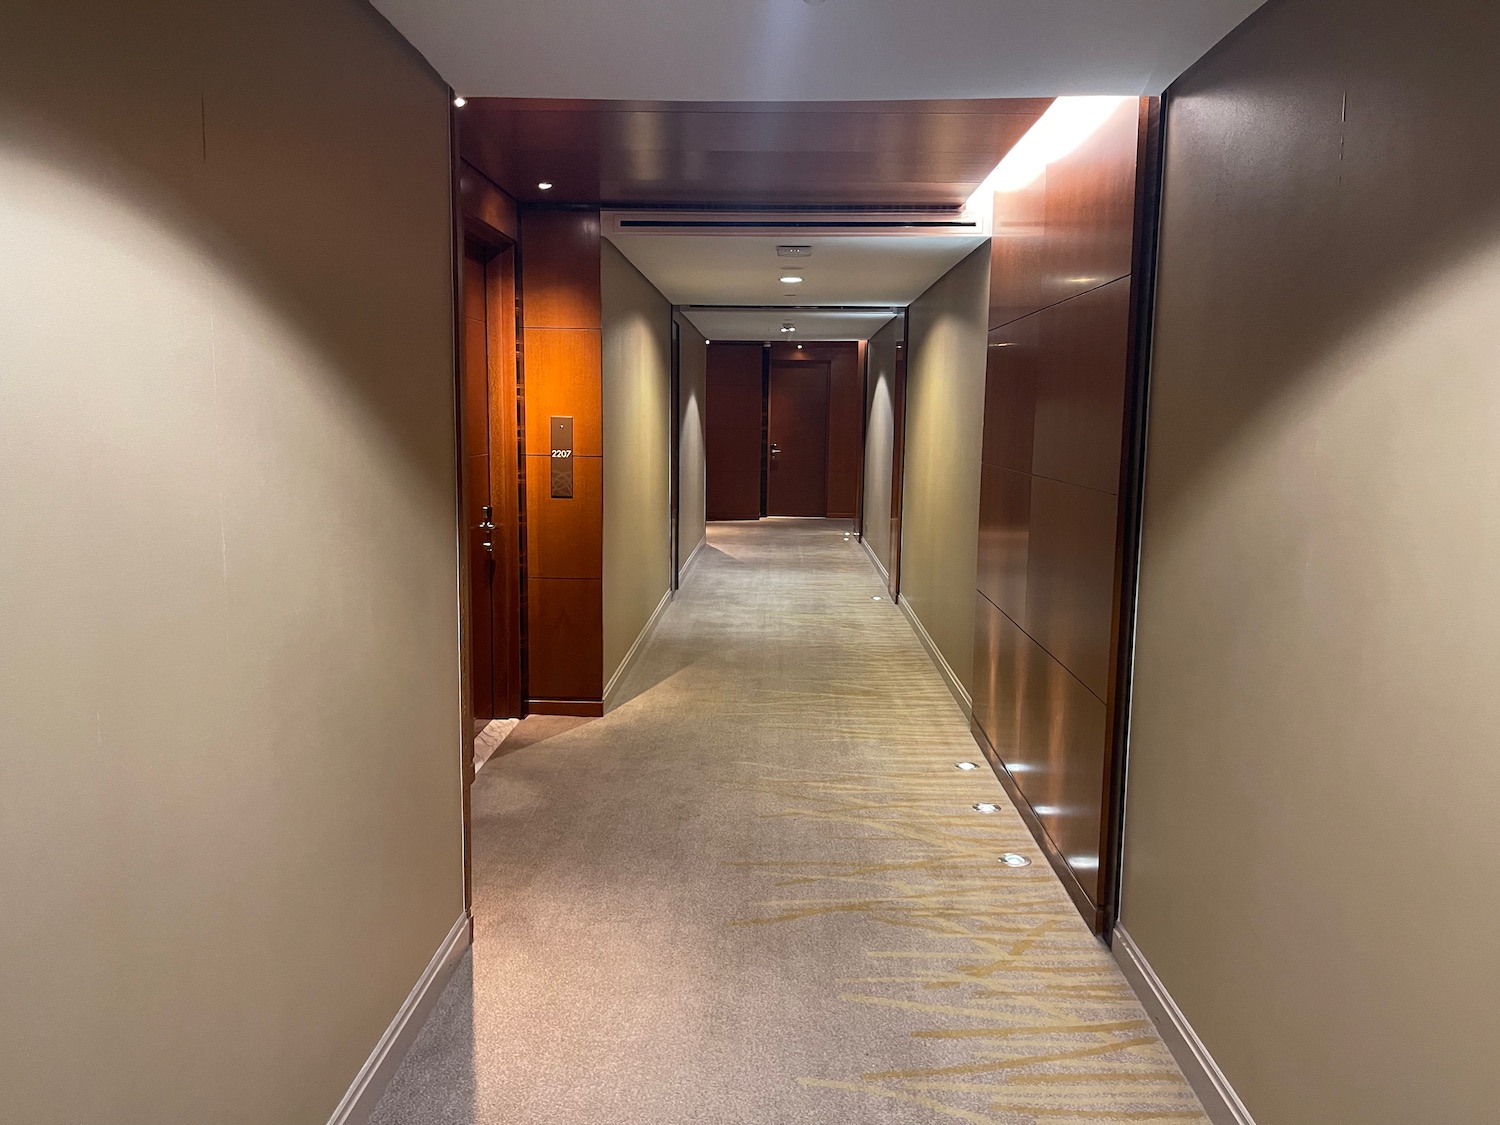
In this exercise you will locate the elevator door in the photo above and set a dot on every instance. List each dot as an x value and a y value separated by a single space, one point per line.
797 440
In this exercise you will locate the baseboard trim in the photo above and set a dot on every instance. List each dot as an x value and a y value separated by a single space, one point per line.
960 693
613 687
1220 1102
370 1083
885 577
691 559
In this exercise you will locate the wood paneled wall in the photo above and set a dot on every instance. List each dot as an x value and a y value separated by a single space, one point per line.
561 349
1057 373
734 429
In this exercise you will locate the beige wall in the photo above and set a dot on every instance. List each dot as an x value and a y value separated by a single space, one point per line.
944 429
1312 822
880 435
692 367
637 346
229 679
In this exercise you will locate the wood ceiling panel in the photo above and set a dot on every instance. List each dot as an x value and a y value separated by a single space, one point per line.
919 153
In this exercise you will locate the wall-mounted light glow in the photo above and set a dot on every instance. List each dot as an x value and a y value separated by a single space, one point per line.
799 347
460 101
1067 123
545 185
790 279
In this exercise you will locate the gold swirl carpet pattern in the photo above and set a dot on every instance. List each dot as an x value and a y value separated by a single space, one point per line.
757 893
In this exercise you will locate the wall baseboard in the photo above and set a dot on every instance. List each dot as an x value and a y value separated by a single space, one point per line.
635 650
370 1083
691 559
1220 1102
879 566
960 693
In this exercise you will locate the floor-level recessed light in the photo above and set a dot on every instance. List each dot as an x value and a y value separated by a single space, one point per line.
986 807
460 102
790 279
1011 859
965 766
876 598
545 185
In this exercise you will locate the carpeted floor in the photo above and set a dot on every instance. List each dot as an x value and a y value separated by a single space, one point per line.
757 892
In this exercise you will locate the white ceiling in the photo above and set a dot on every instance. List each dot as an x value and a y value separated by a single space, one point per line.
815 324
842 269
787 50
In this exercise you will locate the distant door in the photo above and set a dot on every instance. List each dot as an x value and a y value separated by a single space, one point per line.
797 440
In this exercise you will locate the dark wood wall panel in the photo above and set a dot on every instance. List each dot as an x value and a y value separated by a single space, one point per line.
566 648
733 431
1080 388
1049 734
560 258
1056 377
564 369
845 430
1070 230
561 345
877 152
565 537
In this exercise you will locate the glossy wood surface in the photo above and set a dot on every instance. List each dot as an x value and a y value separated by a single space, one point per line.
507 480
474 417
797 438
560 268
564 378
845 362
925 153
565 537
565 638
1070 230
1048 574
733 431
562 361
488 212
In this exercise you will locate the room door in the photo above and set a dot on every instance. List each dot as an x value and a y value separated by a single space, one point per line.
797 439
491 480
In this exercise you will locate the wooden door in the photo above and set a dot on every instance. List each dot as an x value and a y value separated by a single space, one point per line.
797 440
491 481
479 522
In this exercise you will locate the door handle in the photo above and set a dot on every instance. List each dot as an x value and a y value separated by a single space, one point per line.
487 525
775 449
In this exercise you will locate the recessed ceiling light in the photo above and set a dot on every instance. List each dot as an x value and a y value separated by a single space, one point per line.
545 185
799 347
790 279
460 101
708 341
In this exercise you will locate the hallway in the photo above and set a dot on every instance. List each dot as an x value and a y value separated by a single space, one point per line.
757 891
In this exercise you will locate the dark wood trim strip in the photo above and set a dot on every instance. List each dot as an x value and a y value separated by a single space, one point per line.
1149 171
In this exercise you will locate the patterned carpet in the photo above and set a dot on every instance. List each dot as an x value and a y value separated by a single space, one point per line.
758 891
